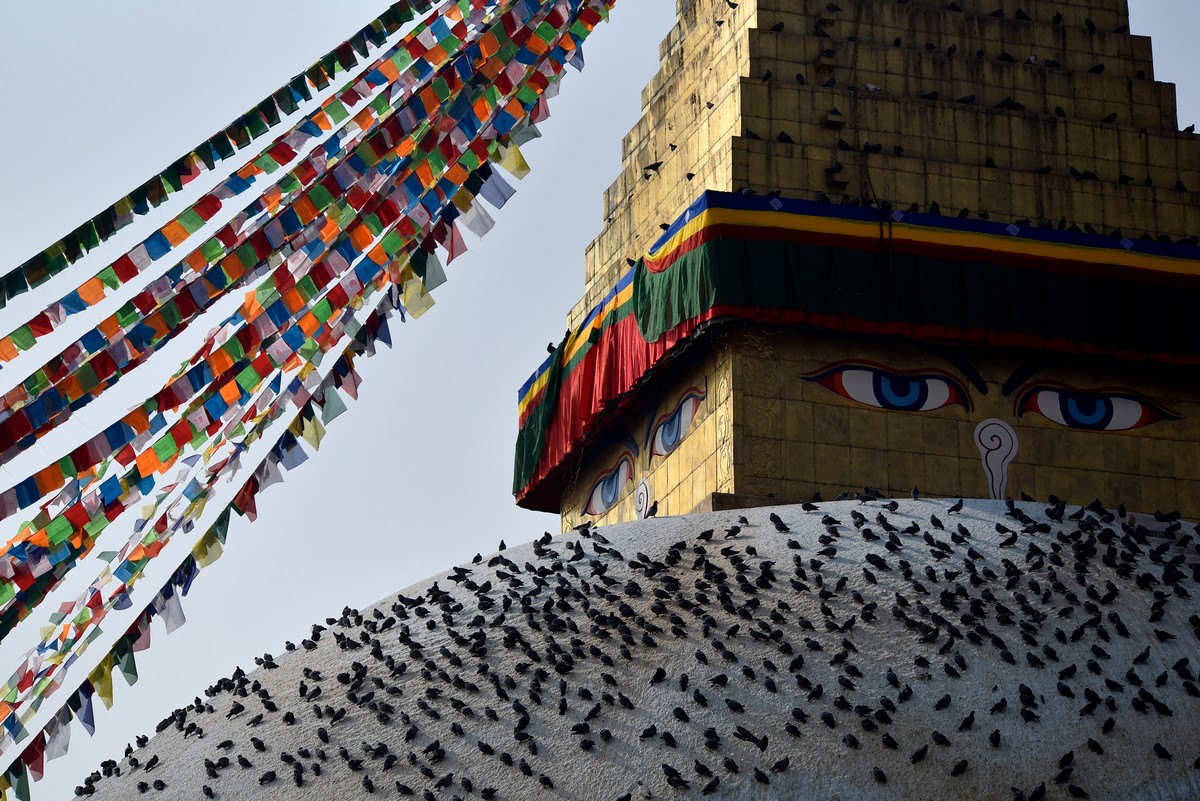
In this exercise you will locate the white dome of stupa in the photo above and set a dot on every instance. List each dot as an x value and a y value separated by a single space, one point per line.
910 653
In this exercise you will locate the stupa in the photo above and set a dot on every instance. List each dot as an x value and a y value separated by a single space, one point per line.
874 251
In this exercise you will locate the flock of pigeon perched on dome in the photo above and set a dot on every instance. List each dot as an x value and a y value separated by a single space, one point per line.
870 649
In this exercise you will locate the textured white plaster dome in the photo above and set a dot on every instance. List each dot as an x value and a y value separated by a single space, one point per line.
532 674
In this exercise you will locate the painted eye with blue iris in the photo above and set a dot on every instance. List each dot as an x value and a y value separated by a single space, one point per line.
897 390
668 431
1090 410
609 487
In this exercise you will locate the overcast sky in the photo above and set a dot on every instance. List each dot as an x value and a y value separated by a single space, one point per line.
417 476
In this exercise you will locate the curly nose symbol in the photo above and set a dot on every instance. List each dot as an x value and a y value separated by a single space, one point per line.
997 444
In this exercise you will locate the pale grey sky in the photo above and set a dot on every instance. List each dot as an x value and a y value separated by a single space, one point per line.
417 476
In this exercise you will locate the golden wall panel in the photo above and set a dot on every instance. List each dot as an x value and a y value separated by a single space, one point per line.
851 444
677 479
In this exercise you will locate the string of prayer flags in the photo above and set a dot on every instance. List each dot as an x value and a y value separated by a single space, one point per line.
222 145
322 259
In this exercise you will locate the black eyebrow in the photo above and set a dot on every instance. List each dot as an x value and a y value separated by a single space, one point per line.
620 437
963 366
1022 374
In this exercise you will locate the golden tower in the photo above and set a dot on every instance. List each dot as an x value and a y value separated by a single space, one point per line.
952 246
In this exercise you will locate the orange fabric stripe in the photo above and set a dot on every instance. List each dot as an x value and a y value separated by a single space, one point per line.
138 420
305 209
92 291
309 324
233 267
175 233
196 261
389 70
425 173
109 327
231 393
48 479
378 255
147 462
219 361
488 44
293 301
365 118
436 55
330 231
71 388
361 237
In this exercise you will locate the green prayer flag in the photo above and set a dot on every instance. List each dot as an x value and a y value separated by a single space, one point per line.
220 528
285 101
320 197
290 183
441 89
22 337
128 666
222 146
265 294
310 351
334 406
18 779
88 236
87 377
36 382
266 163
165 448
233 349
247 379
307 287
60 529
256 125
67 465
97 524
300 86
435 276
207 155
392 243
212 250
367 154
171 314
171 179
191 221
127 315
108 276
402 60
336 111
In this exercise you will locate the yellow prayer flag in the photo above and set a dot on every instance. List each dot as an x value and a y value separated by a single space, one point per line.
512 161
313 432
207 550
416 300
101 679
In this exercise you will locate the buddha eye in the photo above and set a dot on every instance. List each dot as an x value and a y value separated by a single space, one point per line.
607 489
1098 410
897 390
669 430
